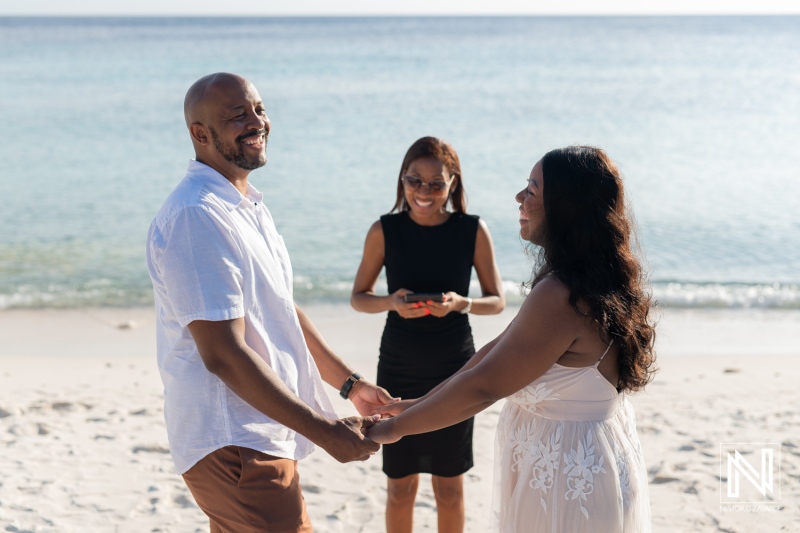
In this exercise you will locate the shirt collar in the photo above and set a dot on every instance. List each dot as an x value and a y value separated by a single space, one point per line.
223 188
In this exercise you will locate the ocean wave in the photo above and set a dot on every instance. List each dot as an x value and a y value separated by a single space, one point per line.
727 295
698 295
97 293
668 294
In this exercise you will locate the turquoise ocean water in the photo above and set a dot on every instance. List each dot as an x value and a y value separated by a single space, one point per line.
701 114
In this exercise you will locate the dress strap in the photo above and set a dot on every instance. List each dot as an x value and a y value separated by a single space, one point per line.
604 353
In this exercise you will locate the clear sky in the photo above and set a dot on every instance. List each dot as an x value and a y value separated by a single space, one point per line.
398 7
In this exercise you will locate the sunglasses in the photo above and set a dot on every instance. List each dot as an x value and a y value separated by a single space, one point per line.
434 186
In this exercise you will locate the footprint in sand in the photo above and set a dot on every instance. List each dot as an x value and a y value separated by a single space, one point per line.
358 511
659 480
150 449
181 500
655 469
691 490
62 406
649 430
14 529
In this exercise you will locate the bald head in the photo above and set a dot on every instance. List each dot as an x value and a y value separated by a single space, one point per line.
227 123
202 92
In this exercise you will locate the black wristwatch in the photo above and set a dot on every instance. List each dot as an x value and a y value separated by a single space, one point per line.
348 384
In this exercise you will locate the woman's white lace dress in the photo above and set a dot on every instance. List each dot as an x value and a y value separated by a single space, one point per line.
568 459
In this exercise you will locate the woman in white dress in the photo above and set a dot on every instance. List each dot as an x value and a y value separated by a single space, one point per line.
568 459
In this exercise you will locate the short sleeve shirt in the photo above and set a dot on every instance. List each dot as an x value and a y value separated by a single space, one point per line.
214 254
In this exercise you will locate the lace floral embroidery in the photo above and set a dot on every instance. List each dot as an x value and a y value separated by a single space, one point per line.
530 396
540 457
545 464
624 478
521 443
580 470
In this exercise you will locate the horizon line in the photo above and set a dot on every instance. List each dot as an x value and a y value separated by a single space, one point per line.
396 15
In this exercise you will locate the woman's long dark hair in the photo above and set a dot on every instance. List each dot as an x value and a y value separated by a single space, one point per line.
587 244
433 148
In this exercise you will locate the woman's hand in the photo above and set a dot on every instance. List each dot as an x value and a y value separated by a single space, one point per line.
369 399
407 310
452 301
395 408
382 432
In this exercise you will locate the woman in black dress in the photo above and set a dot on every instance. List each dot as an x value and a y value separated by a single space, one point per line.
427 248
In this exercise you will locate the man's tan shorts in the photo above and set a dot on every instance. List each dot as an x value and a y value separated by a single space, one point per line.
245 491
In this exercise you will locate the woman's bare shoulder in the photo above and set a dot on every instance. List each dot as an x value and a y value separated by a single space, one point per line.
549 299
551 288
375 240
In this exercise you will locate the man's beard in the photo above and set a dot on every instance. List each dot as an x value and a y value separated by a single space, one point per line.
237 157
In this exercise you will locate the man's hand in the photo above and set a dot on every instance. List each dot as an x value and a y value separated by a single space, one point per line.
368 398
346 442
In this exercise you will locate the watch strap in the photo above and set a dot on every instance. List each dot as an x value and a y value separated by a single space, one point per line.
344 392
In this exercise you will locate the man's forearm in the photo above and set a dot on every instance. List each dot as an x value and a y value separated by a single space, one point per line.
331 367
253 380
366 397
226 355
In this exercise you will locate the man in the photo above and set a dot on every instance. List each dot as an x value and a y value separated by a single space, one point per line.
242 365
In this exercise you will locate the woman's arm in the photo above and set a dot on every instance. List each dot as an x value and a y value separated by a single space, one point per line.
363 297
545 328
493 299
396 408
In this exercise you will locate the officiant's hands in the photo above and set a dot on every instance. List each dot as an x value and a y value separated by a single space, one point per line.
407 309
452 302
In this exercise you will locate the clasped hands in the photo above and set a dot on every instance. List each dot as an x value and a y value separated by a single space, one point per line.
356 438
375 401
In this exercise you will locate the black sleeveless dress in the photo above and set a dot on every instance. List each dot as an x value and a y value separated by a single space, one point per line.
417 354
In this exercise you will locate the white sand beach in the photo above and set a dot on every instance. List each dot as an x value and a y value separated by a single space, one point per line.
83 445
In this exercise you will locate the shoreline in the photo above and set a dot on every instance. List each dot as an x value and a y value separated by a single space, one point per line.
84 446
130 331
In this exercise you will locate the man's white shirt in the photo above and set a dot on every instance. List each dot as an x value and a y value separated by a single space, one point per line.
214 254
